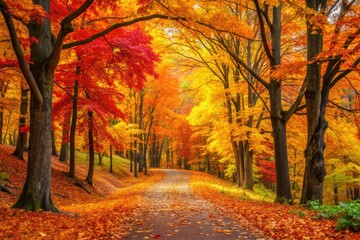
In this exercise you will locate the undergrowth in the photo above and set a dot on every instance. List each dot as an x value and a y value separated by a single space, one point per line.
347 214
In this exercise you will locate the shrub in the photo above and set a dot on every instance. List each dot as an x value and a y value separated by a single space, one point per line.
348 214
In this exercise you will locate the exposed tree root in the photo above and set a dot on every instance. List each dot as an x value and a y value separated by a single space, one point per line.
81 185
6 189
60 195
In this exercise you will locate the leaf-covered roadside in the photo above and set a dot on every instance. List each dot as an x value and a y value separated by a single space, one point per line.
274 220
104 214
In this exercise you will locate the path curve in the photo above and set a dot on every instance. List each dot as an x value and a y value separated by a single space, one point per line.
171 211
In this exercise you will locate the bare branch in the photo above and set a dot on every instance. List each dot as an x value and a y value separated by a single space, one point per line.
64 89
343 108
242 63
295 105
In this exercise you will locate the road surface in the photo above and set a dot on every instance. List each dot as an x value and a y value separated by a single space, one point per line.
171 211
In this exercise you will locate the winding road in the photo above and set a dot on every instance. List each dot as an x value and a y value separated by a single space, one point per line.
171 211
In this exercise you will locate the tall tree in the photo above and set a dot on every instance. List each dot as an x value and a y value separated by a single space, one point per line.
340 42
45 55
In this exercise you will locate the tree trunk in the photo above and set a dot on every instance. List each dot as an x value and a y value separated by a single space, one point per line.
158 153
64 151
73 126
314 152
242 163
135 160
22 136
111 160
141 134
53 145
90 174
283 190
100 155
131 160
152 152
167 156
207 159
36 193
248 181
144 160
1 123
7 128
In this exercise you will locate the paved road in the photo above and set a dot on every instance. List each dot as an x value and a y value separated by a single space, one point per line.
171 211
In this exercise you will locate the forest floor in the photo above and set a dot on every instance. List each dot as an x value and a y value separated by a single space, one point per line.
165 204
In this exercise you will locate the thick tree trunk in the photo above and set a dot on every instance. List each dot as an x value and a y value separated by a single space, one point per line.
314 152
283 189
90 175
73 127
22 136
64 150
36 193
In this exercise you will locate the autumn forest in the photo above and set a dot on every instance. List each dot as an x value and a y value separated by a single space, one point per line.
139 119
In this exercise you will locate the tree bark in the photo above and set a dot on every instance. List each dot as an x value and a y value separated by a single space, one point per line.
111 160
53 145
131 160
248 174
90 175
208 166
141 134
283 188
100 155
73 126
1 123
135 160
64 151
36 193
314 152
22 136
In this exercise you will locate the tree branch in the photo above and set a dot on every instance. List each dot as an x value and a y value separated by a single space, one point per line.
118 25
20 54
262 31
242 63
343 108
66 28
77 12
343 74
295 105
